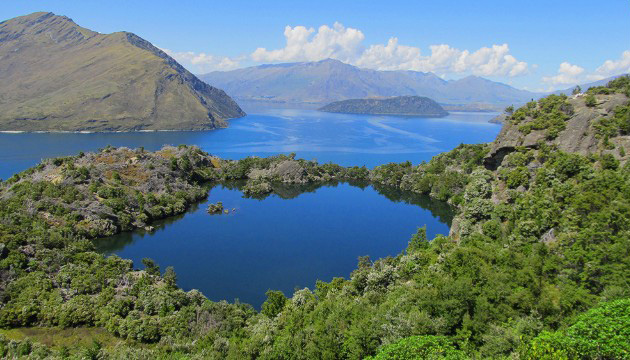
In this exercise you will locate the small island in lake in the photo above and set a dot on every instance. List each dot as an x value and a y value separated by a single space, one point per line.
400 105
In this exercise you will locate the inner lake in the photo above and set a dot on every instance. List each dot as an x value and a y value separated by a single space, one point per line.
298 235
288 240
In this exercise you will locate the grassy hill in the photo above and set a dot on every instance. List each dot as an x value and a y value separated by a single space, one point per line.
58 76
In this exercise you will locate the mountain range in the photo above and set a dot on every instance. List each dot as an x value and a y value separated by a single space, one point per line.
58 76
314 84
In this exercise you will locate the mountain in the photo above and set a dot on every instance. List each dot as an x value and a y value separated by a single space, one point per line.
58 76
318 83
400 105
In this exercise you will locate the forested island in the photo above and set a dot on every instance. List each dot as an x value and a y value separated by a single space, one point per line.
535 266
400 105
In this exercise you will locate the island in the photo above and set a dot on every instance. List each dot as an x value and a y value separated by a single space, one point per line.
400 105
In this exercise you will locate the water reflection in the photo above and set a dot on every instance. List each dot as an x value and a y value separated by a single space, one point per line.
287 239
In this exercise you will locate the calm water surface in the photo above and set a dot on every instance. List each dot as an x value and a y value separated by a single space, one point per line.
281 243
341 138
292 239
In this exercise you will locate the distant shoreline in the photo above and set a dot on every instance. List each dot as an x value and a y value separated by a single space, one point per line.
387 114
95 132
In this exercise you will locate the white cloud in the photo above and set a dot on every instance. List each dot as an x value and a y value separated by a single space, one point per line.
614 67
336 42
345 44
202 62
493 61
567 74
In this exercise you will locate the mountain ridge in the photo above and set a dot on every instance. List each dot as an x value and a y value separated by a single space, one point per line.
318 83
58 76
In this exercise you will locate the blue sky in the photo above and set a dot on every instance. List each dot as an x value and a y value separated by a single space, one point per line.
537 44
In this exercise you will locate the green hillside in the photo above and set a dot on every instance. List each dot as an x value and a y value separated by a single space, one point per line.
58 76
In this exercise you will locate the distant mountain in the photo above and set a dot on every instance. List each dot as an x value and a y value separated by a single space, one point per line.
58 76
400 105
585 86
322 82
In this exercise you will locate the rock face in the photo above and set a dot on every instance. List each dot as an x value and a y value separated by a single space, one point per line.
58 76
314 84
401 105
579 135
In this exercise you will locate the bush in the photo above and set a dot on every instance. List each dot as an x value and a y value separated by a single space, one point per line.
600 333
590 100
274 304
420 347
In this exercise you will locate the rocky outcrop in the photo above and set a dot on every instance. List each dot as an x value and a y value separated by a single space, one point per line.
578 136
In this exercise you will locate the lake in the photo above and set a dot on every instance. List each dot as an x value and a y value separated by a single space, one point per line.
282 242
289 240
341 138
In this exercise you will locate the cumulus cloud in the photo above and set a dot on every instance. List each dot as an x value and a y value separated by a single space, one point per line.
346 44
202 62
487 61
614 67
567 74
306 44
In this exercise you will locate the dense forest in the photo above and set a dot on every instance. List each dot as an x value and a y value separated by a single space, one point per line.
536 265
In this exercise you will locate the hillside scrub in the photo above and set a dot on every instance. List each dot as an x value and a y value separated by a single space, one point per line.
536 264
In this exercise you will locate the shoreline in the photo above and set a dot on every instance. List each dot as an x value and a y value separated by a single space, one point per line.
98 132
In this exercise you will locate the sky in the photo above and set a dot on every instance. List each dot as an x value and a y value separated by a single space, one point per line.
534 45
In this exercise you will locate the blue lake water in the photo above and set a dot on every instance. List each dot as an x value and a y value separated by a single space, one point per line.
345 139
292 239
281 243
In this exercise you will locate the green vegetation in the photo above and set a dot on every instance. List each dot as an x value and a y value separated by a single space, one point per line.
536 265
549 113
618 85
215 208
420 347
612 126
600 333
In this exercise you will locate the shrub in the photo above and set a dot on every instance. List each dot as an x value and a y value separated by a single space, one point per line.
420 347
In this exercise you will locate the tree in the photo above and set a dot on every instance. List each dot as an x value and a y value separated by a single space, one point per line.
170 277
577 90
418 240
150 266
274 304
509 110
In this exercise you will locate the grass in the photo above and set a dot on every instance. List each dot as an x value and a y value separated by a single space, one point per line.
58 337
